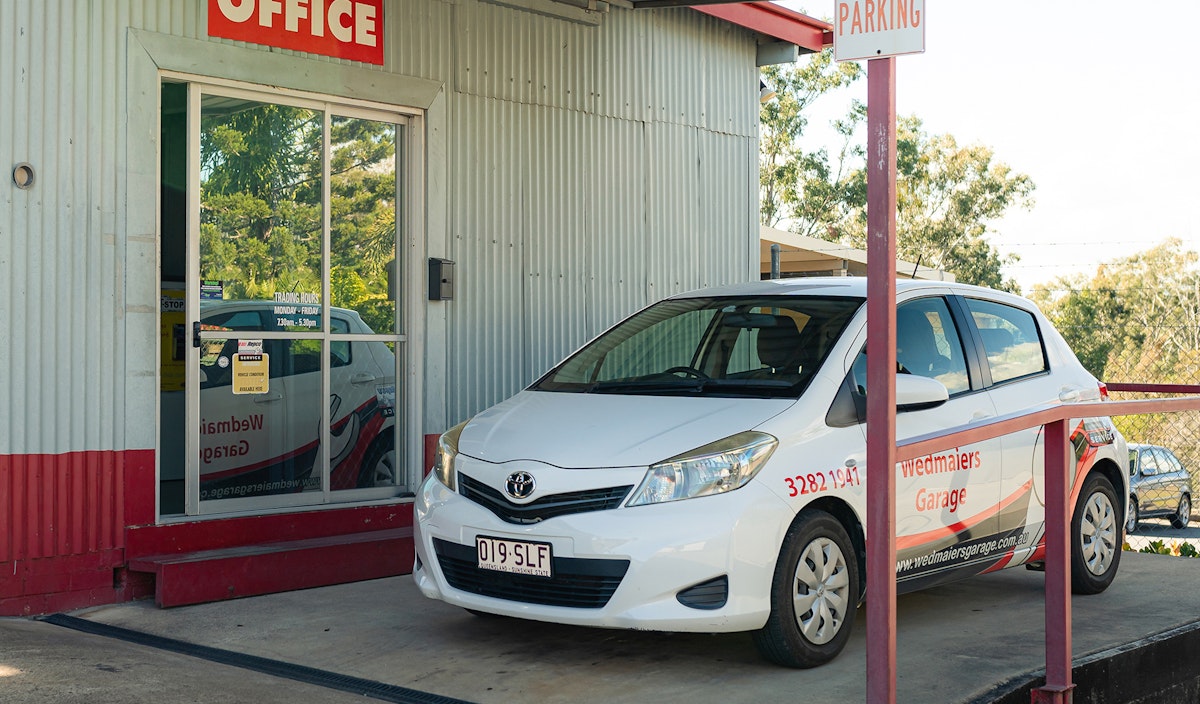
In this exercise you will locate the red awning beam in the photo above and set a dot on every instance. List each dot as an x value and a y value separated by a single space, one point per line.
808 33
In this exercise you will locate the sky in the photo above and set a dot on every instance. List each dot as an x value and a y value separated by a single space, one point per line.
1098 102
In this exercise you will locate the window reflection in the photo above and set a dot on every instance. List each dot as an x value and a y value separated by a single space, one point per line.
271 409
260 202
259 444
363 219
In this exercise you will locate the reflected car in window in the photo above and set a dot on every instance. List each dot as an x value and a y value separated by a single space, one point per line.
701 466
1159 487
265 439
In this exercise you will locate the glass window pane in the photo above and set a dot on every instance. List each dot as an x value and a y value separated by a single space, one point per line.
928 344
362 450
260 206
1010 338
363 220
260 417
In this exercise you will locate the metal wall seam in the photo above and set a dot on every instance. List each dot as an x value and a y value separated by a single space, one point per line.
524 57
623 86
680 65
489 41
13 311
671 245
617 221
486 329
9 72
725 208
555 233
731 79
417 39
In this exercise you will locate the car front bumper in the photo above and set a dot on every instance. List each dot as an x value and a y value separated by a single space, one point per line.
668 548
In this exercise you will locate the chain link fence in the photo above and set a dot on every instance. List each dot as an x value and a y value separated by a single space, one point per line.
1164 447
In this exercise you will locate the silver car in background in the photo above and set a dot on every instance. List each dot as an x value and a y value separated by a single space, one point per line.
1159 487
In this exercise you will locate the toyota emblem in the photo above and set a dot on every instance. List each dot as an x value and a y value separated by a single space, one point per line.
519 485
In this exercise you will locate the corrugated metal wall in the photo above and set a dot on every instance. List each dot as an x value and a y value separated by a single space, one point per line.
595 170
592 170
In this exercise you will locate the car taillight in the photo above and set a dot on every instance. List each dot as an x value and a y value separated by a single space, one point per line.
1103 391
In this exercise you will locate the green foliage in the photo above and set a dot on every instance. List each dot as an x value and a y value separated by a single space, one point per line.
262 219
946 195
796 184
1137 319
1159 547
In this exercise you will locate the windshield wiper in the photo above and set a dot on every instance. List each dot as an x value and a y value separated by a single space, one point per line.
717 387
643 386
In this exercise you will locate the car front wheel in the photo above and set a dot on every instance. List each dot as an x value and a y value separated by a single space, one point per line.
1183 515
1095 537
814 594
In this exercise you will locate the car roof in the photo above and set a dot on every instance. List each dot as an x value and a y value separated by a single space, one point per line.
850 286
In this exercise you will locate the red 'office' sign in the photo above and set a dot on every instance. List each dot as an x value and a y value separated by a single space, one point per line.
347 29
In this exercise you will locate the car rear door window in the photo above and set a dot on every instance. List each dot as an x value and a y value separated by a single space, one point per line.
1168 461
1011 340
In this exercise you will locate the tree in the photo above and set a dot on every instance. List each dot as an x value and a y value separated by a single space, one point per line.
261 225
946 194
795 184
1137 320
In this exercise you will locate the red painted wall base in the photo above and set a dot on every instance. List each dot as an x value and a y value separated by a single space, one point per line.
73 525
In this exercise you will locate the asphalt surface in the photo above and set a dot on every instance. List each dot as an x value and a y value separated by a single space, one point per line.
955 644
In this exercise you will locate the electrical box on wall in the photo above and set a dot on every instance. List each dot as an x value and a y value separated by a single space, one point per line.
441 279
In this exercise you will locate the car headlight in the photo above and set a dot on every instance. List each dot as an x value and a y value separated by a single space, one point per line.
715 468
447 450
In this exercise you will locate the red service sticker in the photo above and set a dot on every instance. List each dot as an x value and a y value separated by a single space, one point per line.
346 29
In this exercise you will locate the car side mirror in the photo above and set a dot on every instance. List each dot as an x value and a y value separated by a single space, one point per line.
917 393
1149 471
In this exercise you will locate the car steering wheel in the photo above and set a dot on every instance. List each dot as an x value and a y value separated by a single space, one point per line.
689 371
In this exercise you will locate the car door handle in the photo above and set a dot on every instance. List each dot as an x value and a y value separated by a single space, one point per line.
363 378
268 398
980 415
1068 394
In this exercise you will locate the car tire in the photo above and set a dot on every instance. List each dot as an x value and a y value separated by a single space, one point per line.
1183 514
1095 537
379 464
1131 521
817 571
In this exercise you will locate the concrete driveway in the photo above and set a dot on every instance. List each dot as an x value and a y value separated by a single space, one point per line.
957 643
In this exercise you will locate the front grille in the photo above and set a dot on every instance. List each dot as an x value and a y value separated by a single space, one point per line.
545 507
577 582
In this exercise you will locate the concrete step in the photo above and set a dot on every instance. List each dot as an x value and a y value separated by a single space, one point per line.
266 568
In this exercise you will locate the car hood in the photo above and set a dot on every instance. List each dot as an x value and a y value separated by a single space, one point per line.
586 431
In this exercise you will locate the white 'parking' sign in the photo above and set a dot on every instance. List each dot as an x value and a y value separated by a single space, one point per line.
873 29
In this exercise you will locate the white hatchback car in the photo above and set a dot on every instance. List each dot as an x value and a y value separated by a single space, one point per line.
701 467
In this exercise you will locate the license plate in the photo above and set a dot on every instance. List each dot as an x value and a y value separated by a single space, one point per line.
515 556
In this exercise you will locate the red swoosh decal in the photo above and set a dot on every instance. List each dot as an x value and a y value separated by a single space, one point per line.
911 541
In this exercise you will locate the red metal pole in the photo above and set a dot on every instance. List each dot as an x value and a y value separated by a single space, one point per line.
1058 568
881 381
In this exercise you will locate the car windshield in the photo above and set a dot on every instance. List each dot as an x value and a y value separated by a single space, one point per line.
716 346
